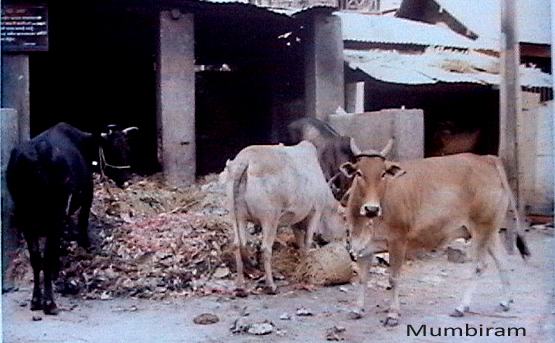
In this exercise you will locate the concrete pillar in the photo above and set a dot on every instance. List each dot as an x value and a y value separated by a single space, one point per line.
176 97
510 104
354 97
9 139
324 75
15 90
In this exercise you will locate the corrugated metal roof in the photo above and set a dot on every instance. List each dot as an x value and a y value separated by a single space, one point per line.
296 11
289 11
483 18
382 29
438 66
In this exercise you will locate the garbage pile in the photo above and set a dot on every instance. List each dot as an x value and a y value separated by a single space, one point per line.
154 241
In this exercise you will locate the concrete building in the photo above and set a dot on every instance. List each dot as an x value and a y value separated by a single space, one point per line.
200 79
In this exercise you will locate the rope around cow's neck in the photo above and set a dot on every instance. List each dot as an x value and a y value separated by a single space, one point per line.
103 164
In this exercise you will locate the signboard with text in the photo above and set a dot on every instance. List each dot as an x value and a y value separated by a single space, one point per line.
24 28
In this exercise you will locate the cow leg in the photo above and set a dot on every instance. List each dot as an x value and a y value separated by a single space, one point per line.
480 248
363 264
51 257
269 232
239 244
300 232
397 251
494 251
36 264
310 230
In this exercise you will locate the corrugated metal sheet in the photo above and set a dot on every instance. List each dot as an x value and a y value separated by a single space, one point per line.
438 66
382 29
275 8
483 18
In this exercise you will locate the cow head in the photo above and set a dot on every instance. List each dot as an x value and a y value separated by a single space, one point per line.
370 174
333 226
114 154
331 155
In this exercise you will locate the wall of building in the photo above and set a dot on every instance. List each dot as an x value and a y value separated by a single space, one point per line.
16 89
10 138
372 130
536 155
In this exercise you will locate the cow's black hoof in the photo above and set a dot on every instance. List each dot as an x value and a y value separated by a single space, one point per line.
355 314
458 313
36 304
240 292
391 321
270 290
503 307
50 308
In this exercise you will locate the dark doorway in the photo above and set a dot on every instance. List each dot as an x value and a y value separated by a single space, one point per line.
232 112
460 110
99 70
250 63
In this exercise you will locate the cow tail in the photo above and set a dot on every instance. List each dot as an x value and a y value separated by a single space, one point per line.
519 239
237 173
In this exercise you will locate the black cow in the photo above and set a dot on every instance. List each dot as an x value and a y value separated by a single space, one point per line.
333 150
50 178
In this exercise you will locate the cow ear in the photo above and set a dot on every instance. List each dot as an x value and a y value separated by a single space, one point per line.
393 169
348 169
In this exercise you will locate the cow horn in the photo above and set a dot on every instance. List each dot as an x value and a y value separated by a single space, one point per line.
332 179
111 128
129 129
387 148
354 148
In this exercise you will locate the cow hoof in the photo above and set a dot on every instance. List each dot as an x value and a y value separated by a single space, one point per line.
503 307
458 313
271 290
355 314
391 321
240 292
36 305
50 308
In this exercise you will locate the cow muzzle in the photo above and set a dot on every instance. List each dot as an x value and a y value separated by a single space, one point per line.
370 211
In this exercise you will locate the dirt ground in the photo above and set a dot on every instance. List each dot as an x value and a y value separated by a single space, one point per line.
431 287
161 264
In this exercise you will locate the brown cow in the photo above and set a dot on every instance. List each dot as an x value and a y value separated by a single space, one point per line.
276 185
423 204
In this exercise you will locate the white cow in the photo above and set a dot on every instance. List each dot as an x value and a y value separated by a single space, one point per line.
274 186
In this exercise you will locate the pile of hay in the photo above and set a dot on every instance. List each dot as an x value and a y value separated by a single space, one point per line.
328 265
